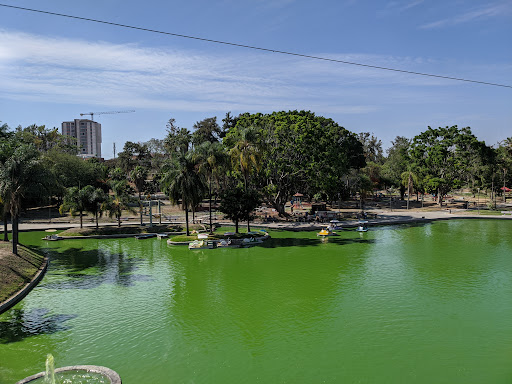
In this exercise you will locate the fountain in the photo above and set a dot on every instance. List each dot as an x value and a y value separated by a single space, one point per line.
75 374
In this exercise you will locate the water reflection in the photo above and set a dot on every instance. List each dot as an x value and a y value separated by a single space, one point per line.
21 324
89 268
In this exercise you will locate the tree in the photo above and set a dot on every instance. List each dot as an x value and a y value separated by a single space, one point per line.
21 174
210 157
178 139
139 175
299 152
134 154
372 147
182 182
441 154
120 200
245 156
237 203
77 200
397 162
505 161
206 130
409 180
97 203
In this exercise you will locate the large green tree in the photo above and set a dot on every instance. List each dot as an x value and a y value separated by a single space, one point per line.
441 155
299 152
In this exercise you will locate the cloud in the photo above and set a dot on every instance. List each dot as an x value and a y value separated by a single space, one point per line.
80 72
486 12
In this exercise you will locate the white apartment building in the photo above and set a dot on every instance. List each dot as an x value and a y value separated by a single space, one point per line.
87 134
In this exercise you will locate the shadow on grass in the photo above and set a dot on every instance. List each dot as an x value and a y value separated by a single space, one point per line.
21 324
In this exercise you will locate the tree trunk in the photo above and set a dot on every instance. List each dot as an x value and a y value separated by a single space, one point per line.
236 226
439 199
81 220
140 210
186 221
119 221
402 192
14 234
6 233
210 204
96 216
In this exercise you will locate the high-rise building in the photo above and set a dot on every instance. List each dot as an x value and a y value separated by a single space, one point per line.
87 134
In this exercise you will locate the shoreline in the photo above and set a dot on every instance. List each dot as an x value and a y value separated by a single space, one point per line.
384 217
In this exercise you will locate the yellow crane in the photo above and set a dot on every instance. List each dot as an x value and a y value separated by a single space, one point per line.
104 113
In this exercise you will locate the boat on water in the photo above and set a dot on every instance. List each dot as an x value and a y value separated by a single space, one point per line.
363 226
202 236
327 231
336 224
202 244
145 236
52 238
228 243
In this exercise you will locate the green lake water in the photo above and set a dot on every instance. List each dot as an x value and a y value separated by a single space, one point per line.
399 304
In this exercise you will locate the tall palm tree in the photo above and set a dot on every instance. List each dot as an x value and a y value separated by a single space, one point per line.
409 180
210 157
97 203
139 175
245 157
20 174
182 181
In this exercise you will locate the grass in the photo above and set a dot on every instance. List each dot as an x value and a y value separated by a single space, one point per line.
124 229
183 238
16 271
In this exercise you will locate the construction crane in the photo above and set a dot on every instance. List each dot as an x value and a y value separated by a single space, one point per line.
104 113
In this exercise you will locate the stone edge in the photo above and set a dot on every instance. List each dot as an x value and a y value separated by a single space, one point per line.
18 296
112 375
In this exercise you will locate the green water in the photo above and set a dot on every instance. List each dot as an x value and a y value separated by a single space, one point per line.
417 304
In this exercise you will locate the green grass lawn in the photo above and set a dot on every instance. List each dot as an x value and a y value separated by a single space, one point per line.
16 271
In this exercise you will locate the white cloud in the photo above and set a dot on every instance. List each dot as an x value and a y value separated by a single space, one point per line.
488 11
44 69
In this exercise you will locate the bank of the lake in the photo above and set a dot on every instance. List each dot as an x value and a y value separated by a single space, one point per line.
17 272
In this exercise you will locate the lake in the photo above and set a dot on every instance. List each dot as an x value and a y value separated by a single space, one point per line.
428 303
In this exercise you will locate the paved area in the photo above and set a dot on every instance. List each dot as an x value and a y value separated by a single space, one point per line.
384 217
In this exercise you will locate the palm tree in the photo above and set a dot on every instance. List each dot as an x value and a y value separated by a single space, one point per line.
121 199
139 175
245 157
409 180
20 174
181 181
96 203
210 157
77 200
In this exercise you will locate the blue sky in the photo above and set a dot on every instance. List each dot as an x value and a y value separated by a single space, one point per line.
53 68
